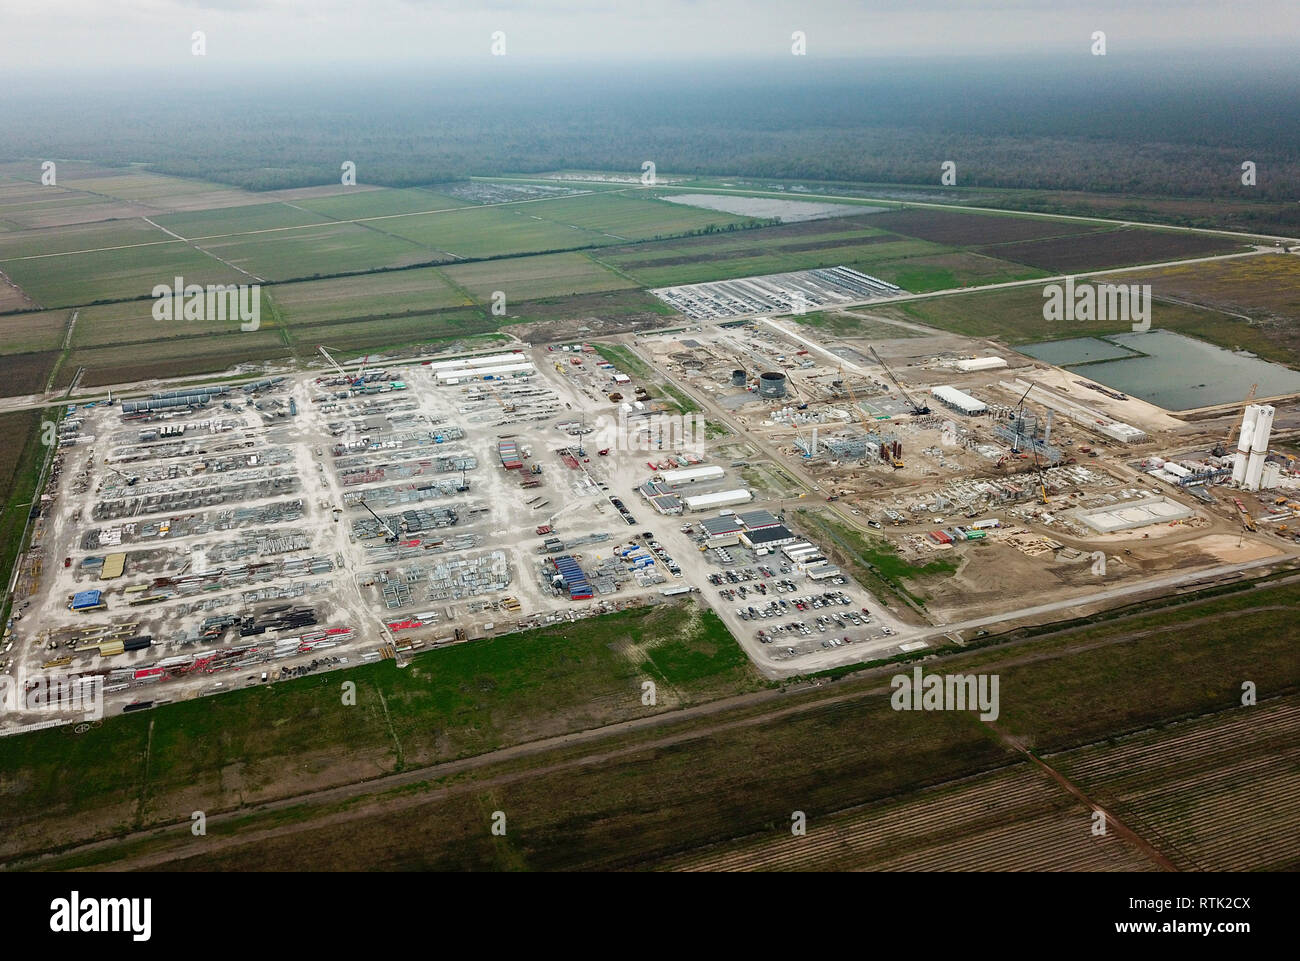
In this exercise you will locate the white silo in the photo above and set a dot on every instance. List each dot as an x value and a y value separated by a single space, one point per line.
1243 443
1259 448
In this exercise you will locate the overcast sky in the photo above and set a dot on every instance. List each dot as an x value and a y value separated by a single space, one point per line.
71 34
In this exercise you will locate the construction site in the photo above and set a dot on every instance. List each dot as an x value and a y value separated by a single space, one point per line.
971 457
195 540
198 539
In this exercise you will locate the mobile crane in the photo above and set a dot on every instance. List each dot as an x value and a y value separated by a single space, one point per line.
392 537
918 410
895 462
1225 446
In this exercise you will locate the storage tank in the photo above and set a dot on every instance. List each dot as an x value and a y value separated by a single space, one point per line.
738 377
771 384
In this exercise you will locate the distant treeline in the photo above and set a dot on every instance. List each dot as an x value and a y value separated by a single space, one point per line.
1164 131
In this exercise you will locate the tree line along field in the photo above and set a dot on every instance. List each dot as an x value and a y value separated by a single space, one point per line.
365 268
880 788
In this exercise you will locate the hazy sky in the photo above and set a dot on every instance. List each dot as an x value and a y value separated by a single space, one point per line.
71 34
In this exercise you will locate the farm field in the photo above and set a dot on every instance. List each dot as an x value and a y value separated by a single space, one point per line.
371 295
957 229
12 297
1111 248
625 216
27 373
32 331
225 751
366 335
27 205
316 251
231 220
725 784
1189 785
21 457
862 255
1264 289
534 278
1009 820
946 271
383 202
132 323
75 279
92 236
475 232
173 357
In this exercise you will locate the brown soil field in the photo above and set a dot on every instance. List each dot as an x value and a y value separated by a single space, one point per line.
1111 248
966 230
26 373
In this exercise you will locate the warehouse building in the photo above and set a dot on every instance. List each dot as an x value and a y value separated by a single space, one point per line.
980 363
692 475
769 537
757 520
704 502
721 531
958 400
456 375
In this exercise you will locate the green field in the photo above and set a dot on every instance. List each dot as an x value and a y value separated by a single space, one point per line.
455 702
534 278
77 279
369 295
317 251
32 331
364 335
95 236
652 797
380 203
232 220
133 323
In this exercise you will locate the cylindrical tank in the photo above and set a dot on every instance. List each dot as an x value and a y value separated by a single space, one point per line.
738 377
771 384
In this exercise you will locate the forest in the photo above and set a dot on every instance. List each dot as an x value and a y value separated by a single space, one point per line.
1155 129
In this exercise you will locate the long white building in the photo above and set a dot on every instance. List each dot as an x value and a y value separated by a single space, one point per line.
958 400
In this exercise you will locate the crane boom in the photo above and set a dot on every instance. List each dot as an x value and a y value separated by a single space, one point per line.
918 409
326 354
1226 446
382 523
866 424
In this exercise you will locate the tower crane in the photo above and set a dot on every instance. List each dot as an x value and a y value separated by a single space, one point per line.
918 410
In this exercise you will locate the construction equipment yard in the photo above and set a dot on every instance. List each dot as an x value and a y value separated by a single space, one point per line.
834 501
